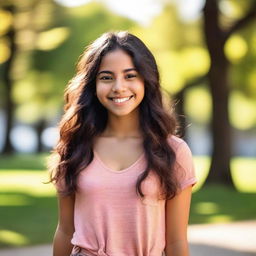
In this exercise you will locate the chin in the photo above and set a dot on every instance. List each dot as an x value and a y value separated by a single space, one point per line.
124 113
120 114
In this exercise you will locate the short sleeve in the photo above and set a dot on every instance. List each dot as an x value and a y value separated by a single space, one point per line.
184 166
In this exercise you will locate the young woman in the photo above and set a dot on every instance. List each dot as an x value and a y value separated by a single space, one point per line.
123 176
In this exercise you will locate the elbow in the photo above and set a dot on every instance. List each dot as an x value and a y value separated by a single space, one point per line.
67 230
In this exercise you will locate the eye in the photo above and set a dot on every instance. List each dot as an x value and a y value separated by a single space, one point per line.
106 78
131 75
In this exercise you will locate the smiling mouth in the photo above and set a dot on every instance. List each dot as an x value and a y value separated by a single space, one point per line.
120 100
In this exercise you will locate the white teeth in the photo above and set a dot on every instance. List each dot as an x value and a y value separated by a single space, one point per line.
121 100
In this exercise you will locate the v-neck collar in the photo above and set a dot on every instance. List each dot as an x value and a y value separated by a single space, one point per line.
96 156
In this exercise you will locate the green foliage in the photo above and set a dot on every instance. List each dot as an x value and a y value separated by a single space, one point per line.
242 73
198 104
23 162
217 203
242 172
240 48
178 48
30 221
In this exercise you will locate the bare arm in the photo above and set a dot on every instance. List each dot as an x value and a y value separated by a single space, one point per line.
65 229
177 215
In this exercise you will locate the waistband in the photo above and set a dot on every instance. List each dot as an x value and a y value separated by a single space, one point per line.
79 251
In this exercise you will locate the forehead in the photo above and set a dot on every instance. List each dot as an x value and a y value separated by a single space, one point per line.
117 59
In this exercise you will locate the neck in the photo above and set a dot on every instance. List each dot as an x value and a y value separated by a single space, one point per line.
124 126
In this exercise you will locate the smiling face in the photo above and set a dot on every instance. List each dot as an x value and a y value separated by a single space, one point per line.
119 86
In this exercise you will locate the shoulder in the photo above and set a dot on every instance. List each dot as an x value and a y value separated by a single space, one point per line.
184 165
178 144
182 151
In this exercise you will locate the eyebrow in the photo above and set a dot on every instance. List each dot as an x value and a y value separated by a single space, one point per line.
110 72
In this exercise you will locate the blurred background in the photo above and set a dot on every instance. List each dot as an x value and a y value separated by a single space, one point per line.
206 53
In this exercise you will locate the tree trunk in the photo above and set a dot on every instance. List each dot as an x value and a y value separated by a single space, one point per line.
218 82
39 128
220 171
9 104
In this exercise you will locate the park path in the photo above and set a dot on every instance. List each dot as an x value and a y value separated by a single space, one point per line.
231 239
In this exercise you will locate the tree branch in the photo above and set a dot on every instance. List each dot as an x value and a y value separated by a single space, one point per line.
193 83
242 22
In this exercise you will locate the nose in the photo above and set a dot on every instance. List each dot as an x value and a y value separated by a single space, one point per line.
119 85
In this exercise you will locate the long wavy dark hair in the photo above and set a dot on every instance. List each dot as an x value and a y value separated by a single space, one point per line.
85 117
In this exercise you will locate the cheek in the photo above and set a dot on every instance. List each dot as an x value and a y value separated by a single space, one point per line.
101 92
140 91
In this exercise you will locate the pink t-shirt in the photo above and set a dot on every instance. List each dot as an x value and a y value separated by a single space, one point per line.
112 220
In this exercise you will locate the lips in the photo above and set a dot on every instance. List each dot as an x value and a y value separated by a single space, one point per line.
120 99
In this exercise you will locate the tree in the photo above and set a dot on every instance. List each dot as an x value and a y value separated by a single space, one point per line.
216 37
7 79
23 22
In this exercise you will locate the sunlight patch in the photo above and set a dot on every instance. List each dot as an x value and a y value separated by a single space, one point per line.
206 208
29 182
13 238
221 218
14 200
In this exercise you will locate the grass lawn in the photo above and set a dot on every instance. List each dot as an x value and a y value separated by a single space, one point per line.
28 207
